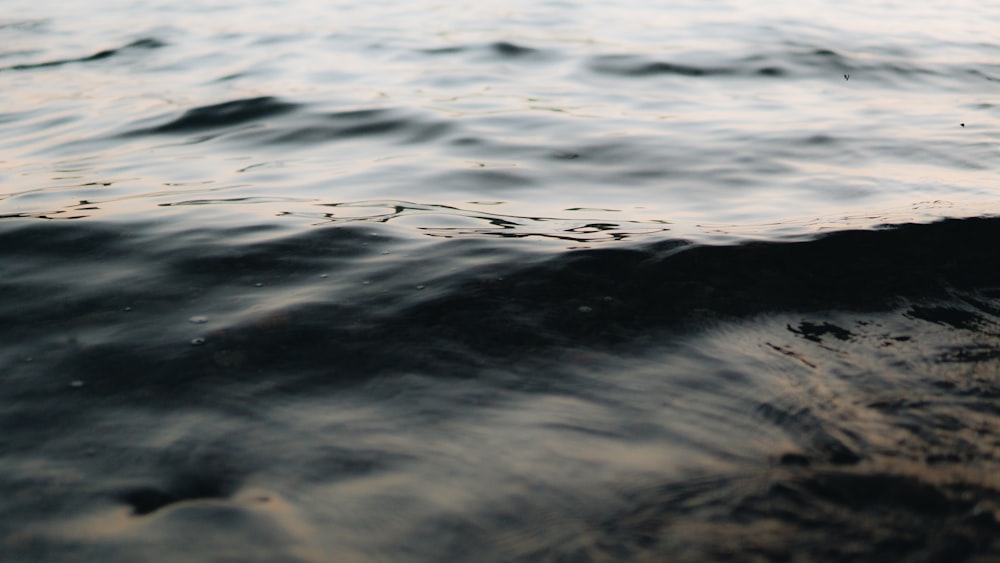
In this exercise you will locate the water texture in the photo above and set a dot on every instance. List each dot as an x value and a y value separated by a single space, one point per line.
535 281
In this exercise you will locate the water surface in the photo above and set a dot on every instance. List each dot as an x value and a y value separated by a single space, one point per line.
549 281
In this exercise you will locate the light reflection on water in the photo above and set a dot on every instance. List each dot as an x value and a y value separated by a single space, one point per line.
527 281
711 142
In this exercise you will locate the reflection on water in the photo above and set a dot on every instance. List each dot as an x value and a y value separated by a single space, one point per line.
353 390
449 222
686 118
836 434
547 281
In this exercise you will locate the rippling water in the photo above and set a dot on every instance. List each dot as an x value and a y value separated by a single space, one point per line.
554 281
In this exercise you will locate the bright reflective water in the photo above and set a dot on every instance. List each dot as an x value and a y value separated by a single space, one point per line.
310 281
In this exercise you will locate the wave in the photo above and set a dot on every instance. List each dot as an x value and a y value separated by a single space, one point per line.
256 333
795 62
838 391
147 43
479 295
228 118
447 221
226 114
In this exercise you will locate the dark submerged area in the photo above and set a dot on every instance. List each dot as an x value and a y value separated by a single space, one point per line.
118 334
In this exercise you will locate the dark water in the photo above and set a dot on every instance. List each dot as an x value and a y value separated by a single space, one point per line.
546 282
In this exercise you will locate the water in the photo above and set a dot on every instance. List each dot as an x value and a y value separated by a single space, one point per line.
550 281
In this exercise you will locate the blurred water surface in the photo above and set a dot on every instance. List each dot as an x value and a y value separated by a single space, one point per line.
565 280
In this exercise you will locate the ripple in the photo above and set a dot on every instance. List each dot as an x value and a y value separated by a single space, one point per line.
148 43
482 224
225 114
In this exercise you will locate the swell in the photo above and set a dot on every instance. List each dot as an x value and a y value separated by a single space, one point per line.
106 302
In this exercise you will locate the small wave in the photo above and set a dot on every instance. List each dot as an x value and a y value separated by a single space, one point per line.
233 200
148 43
225 114
627 65
445 221
508 49
345 125
795 60
504 49
294 127
811 378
